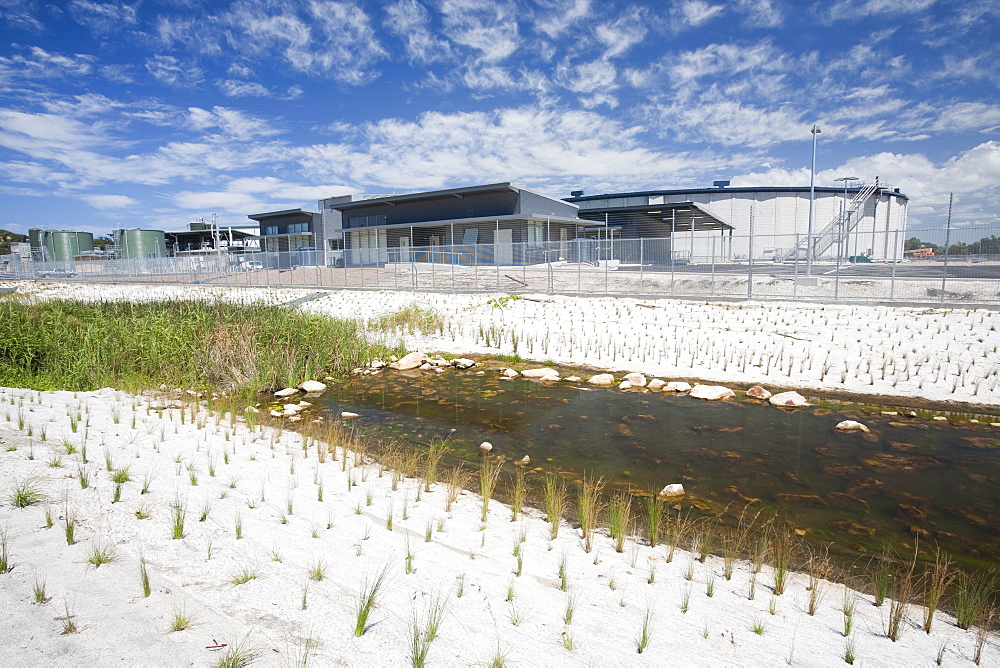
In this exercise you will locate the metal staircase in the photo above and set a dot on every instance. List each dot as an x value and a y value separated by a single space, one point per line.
837 228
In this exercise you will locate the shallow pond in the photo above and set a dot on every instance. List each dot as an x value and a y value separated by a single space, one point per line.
911 476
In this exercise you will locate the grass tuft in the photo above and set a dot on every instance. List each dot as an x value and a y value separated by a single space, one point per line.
371 588
25 493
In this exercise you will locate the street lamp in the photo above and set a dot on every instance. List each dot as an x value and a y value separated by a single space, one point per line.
843 212
812 196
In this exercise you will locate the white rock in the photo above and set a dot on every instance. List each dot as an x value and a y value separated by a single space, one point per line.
251 409
287 392
758 392
463 363
293 408
425 366
313 386
624 385
348 414
711 392
671 491
677 386
524 460
572 379
890 413
940 418
277 413
303 404
545 373
602 379
656 384
438 361
793 399
509 373
637 379
851 425
410 361
377 364
486 446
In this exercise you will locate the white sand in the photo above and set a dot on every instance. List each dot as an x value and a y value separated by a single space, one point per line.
118 625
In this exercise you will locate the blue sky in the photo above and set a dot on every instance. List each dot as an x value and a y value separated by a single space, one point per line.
152 114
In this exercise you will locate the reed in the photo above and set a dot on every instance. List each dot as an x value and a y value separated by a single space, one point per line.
654 517
457 479
588 503
936 582
518 492
972 595
371 589
619 518
489 474
555 501
435 451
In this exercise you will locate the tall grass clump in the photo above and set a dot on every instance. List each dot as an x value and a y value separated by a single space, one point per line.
76 345
518 492
555 501
435 451
489 474
413 318
371 588
972 595
25 493
588 504
937 580
619 516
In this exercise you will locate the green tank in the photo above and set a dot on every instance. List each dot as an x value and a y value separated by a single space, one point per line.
65 245
136 243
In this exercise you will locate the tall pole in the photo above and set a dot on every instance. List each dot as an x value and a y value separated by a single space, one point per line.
947 244
812 196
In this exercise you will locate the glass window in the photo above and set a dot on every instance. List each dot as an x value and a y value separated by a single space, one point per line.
335 244
270 230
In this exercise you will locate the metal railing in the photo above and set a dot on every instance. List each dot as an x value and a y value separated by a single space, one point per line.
870 266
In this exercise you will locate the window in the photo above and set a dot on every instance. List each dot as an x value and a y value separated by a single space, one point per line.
269 230
298 228
366 221
335 244
535 232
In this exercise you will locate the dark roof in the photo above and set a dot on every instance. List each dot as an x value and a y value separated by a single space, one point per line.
276 214
432 194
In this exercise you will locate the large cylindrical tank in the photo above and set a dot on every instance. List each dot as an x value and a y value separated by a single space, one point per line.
35 243
64 245
136 243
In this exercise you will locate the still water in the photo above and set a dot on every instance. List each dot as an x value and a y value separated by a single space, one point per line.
910 477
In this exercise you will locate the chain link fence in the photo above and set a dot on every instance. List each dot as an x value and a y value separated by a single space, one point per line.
966 270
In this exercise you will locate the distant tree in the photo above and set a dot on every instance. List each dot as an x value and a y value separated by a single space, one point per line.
103 242
8 238
913 243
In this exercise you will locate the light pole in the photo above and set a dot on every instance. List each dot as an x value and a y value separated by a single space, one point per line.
812 196
843 212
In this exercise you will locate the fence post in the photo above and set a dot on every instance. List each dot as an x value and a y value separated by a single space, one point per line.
641 257
750 258
892 280
712 292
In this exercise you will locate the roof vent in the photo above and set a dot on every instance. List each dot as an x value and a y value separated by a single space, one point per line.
720 184
576 193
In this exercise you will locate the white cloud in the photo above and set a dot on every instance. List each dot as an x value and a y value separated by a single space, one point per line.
234 88
555 17
486 27
595 76
761 13
42 64
200 34
693 13
410 20
856 10
623 33
20 14
173 72
109 201
218 201
102 17
231 122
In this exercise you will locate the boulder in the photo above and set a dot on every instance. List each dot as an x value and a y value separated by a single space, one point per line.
672 491
789 399
509 373
287 392
425 366
637 379
758 392
572 379
438 361
711 392
348 414
313 386
677 386
486 447
656 384
524 461
851 425
602 379
377 364
463 363
624 385
545 373
410 361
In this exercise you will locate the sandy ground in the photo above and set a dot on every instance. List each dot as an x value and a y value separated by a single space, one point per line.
251 476
346 533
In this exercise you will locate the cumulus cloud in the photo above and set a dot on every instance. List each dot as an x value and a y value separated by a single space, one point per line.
487 28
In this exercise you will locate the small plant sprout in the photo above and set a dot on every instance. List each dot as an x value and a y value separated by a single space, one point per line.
100 553
180 619
563 571
848 608
757 625
518 492
305 597
245 575
850 649
68 621
571 602
429 530
178 513
69 524
460 585
238 654
25 493
589 507
5 565
646 633
38 590
710 584
371 589
144 576
317 571
206 508
619 517
686 598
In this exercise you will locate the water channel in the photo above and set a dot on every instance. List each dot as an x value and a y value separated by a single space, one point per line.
910 477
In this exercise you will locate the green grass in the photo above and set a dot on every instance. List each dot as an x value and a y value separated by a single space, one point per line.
371 588
73 345
245 575
181 620
26 493
100 554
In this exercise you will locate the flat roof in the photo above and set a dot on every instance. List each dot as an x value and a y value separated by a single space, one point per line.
430 194
275 214
482 219
742 189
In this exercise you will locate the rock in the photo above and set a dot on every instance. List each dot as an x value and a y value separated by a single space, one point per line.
758 392
602 379
277 413
890 413
438 361
291 408
847 500
425 366
572 379
544 373
677 386
348 414
313 386
939 418
409 361
478 373
509 373
672 491
463 363
377 364
656 384
711 392
789 399
486 446
851 425
287 392
637 379
251 409
524 461
624 385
